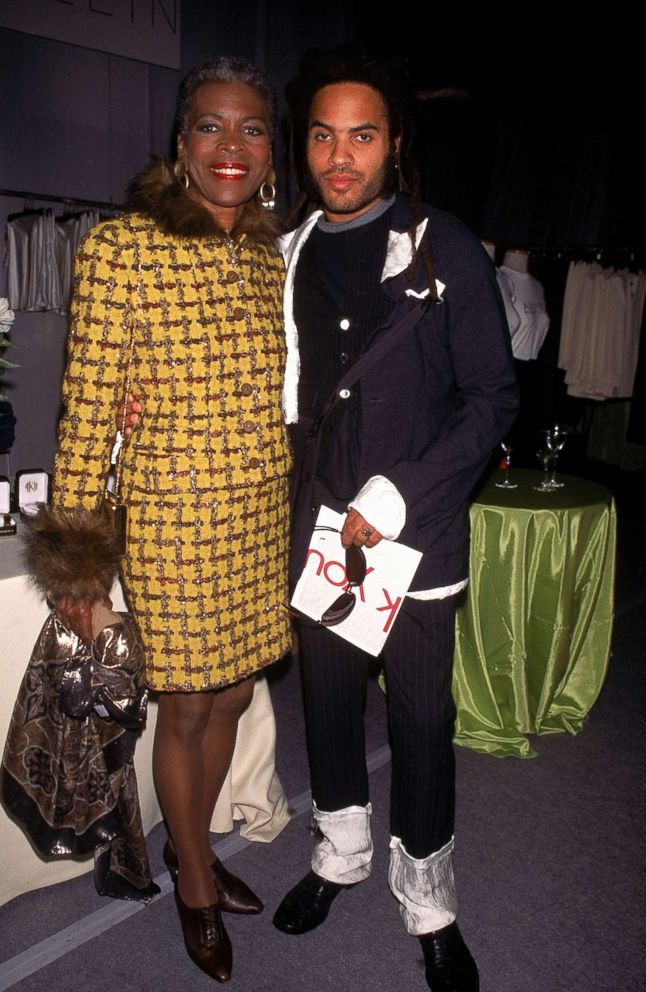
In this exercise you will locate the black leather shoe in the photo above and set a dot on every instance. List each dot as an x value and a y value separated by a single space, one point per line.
449 965
307 904
207 942
234 895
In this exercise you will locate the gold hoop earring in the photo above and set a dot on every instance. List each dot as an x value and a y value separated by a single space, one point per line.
180 170
267 194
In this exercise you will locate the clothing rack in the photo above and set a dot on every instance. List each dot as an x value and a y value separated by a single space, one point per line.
572 250
617 256
70 201
582 250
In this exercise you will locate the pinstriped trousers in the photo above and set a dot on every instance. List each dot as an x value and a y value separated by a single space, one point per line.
418 661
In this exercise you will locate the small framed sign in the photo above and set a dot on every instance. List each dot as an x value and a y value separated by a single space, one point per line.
7 523
5 494
32 486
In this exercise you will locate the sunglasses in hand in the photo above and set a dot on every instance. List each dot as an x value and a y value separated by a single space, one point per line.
355 570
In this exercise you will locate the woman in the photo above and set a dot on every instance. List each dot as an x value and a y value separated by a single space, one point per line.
182 299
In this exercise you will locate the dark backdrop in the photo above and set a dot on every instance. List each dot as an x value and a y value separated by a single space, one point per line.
545 147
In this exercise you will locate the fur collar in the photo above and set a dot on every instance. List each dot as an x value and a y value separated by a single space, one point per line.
158 194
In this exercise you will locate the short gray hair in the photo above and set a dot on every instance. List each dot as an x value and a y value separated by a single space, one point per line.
225 69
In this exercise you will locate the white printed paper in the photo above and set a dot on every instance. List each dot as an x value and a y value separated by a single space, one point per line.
389 573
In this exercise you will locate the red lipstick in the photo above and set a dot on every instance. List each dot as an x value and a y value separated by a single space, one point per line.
231 171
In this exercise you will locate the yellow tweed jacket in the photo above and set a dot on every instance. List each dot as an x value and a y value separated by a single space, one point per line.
200 320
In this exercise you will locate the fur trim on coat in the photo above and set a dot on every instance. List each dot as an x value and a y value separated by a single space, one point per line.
157 193
72 554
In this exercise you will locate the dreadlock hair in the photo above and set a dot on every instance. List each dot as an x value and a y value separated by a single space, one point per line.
348 64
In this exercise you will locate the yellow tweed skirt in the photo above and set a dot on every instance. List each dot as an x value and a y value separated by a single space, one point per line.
206 577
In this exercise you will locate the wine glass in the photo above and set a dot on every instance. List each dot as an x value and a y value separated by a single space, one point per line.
506 483
545 456
555 440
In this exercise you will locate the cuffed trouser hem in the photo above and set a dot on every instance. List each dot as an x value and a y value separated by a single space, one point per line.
344 855
424 888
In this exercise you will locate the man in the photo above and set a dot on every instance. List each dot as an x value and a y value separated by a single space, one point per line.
402 448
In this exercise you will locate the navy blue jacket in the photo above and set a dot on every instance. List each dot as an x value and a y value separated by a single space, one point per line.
435 407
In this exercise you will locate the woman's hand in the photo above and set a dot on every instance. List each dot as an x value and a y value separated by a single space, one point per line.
128 415
76 614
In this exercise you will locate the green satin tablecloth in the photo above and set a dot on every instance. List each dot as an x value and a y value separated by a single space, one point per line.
533 635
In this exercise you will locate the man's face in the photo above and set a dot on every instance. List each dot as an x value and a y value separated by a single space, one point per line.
349 150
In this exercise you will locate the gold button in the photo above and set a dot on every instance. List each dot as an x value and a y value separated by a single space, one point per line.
249 426
246 389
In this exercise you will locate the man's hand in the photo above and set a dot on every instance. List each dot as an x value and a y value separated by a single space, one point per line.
357 531
130 410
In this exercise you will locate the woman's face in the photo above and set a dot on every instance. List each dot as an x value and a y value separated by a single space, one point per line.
227 146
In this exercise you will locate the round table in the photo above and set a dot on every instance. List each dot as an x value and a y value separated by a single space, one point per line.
533 635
